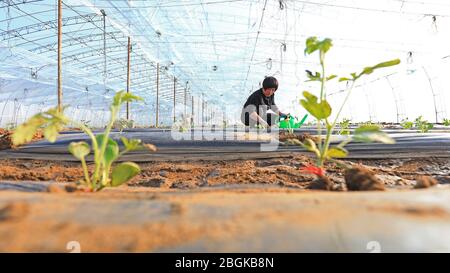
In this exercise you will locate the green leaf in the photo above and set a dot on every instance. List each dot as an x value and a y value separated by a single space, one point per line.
372 133
320 110
131 144
124 172
311 146
312 45
367 70
331 77
313 77
446 122
57 115
344 79
117 100
79 149
325 45
24 133
121 97
130 97
53 121
387 64
337 152
370 69
51 131
406 124
111 151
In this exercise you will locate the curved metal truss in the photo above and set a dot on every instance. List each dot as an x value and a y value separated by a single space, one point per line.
94 60
194 56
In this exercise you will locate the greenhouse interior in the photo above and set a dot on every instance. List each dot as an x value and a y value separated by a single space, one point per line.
154 122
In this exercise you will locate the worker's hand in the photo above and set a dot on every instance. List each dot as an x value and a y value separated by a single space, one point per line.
265 125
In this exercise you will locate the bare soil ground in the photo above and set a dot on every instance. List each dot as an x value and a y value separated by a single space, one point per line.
266 219
264 205
285 172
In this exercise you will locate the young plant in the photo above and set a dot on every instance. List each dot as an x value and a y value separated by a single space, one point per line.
423 125
10 126
370 123
289 129
105 149
183 125
122 124
446 122
319 107
406 124
344 127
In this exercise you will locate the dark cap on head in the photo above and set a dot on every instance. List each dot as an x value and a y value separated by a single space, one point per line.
270 82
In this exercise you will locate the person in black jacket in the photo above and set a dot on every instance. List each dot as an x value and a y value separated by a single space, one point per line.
256 110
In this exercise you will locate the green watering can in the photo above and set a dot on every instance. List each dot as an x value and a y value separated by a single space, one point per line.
291 122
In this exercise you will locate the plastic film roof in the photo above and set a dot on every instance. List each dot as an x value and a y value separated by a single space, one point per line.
219 52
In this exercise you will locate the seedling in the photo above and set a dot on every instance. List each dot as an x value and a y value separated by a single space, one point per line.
446 122
319 107
122 124
106 150
344 127
10 126
406 124
370 123
423 125
182 124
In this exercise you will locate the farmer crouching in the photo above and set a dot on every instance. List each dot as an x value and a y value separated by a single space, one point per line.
260 108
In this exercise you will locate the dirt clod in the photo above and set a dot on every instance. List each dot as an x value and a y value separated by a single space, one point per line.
362 179
425 182
321 183
154 182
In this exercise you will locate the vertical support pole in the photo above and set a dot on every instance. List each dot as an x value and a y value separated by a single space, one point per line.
206 112
157 96
199 111
128 74
203 111
174 98
59 84
192 114
185 105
